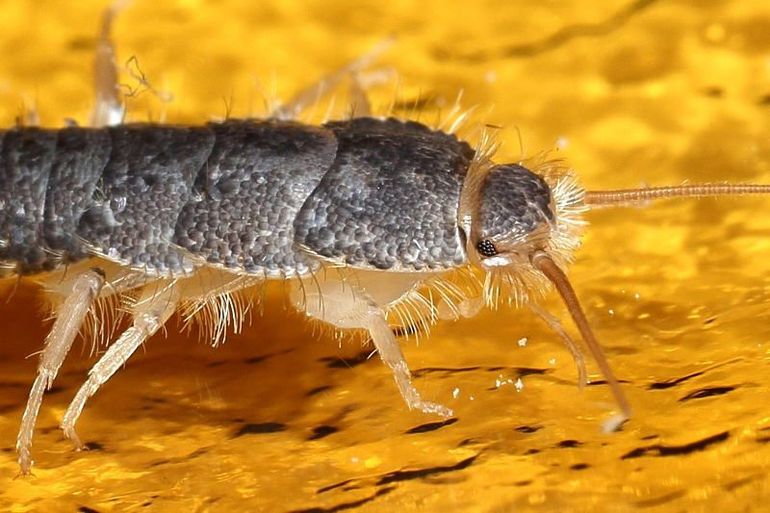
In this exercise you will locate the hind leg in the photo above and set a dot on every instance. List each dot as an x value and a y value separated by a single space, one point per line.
153 308
108 108
84 291
80 286
344 302
205 289
314 92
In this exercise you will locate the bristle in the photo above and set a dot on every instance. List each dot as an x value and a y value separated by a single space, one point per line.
461 120
224 307
445 119
569 205
102 321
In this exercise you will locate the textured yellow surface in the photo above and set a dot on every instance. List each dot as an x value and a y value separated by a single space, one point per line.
281 420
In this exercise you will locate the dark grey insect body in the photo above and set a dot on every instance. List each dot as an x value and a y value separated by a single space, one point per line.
390 199
262 197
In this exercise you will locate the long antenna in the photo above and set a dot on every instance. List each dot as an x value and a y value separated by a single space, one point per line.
632 197
545 264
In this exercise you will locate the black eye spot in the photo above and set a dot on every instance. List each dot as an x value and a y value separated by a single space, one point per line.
487 248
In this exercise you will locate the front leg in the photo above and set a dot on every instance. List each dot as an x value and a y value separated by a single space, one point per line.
342 300
390 352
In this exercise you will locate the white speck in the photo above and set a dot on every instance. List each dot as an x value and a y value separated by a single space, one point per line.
637 296
118 203
354 460
552 361
497 261
455 393
523 342
611 311
519 385
471 398
501 381
113 115
562 142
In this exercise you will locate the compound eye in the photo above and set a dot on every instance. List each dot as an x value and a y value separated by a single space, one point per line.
486 248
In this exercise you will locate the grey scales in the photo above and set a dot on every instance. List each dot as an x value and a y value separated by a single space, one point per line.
248 194
144 186
390 200
514 202
262 197
81 155
25 163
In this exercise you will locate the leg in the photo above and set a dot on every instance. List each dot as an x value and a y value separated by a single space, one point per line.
343 301
156 304
31 116
84 291
108 108
574 349
390 352
311 94
360 107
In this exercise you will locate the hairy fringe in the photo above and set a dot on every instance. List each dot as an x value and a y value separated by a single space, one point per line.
224 309
103 320
521 283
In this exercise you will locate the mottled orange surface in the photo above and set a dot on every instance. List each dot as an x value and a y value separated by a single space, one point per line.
278 420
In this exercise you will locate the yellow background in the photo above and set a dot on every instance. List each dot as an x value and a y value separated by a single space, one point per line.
645 92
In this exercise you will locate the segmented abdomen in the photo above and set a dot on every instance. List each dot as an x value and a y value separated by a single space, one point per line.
255 181
263 197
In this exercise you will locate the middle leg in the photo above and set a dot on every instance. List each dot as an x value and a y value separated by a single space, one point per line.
153 308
